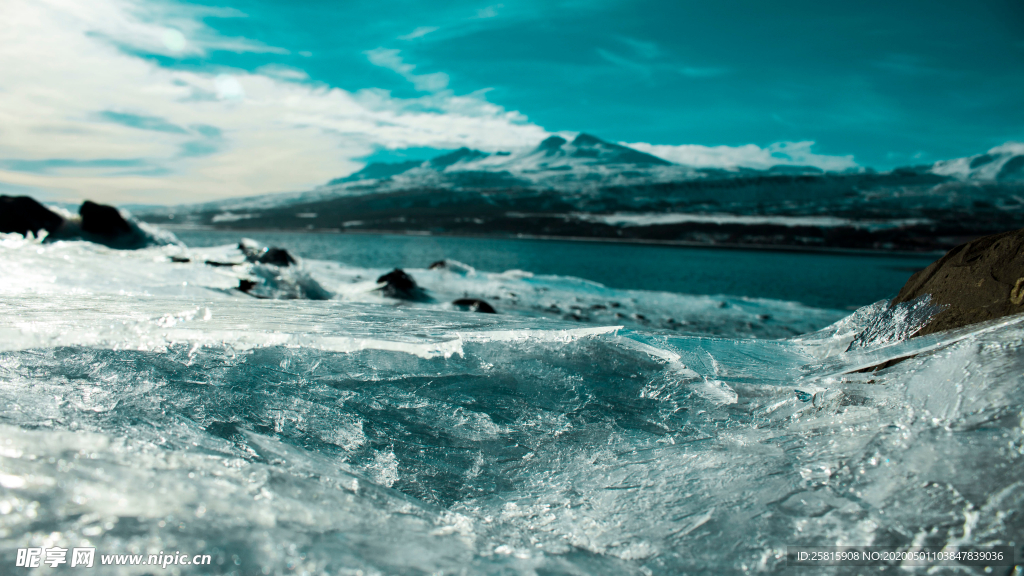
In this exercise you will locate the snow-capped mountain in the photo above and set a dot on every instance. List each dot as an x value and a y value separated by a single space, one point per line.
1001 164
584 163
592 188
585 153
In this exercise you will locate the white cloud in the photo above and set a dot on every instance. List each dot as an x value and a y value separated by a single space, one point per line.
641 69
489 12
156 26
647 69
706 72
229 88
174 40
82 117
748 156
418 33
392 60
283 72
642 48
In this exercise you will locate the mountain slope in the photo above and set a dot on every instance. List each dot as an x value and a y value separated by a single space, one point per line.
1001 164
594 189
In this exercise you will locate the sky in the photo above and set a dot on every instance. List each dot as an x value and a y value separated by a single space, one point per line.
162 102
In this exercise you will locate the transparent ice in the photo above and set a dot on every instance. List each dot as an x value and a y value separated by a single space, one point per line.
149 406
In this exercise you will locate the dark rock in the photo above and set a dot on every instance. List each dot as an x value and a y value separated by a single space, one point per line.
398 280
398 284
21 214
219 264
103 220
272 255
277 257
439 265
246 285
181 260
97 223
977 281
474 305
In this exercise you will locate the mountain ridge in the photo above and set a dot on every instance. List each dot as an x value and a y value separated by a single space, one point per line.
1004 163
589 188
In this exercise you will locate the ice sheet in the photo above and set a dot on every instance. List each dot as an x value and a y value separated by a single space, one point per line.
150 406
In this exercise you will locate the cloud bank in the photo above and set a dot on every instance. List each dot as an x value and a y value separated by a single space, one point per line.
748 156
392 60
83 112
91 106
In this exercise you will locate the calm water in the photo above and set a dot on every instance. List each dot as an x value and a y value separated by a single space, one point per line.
826 280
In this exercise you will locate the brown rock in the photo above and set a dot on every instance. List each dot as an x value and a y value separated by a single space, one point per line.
977 281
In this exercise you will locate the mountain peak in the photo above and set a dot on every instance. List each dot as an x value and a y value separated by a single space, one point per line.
377 171
552 143
587 140
461 155
588 146
1003 163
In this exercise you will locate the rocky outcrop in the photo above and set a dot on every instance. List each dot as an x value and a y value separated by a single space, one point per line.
977 281
264 255
276 256
106 225
398 284
95 223
103 220
474 305
21 215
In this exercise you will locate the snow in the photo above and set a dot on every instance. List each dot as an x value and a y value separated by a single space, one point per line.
988 166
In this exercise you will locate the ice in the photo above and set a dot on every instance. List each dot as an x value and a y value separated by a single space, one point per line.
150 406
893 324
86 268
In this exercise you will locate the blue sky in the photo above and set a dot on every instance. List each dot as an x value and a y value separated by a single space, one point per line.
163 102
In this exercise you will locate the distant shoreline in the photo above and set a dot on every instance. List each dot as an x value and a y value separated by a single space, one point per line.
591 239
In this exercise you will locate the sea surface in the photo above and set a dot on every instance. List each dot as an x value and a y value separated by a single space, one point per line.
629 409
827 280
